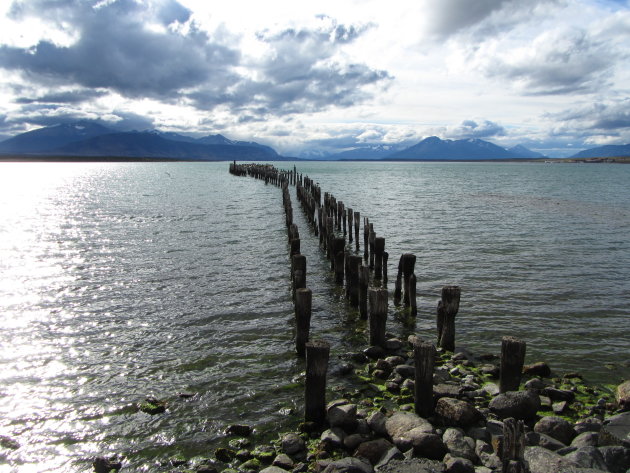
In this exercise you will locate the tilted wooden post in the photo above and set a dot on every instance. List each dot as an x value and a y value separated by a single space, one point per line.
364 281
424 360
377 315
379 248
512 359
317 353
447 310
303 302
513 447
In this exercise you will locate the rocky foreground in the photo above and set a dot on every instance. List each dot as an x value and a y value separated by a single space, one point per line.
569 426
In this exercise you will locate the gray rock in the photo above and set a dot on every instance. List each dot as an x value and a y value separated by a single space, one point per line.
343 416
491 460
590 424
541 460
559 407
458 465
535 384
391 454
373 450
491 388
406 371
402 422
457 413
333 437
616 430
479 433
292 444
363 427
483 447
459 445
483 469
622 395
428 445
586 439
377 421
351 442
518 404
446 390
412 465
537 369
407 440
549 442
395 360
617 458
374 352
393 345
274 469
588 457
283 461
490 370
558 394
556 427
494 427
441 375
349 465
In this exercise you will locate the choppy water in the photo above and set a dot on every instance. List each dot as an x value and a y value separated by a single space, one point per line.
119 281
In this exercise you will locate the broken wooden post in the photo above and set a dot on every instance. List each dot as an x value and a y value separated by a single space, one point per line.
353 264
364 281
512 452
317 353
408 264
377 315
350 221
366 243
298 272
424 360
398 285
512 359
371 239
446 312
303 302
379 248
357 222
337 260
385 259
295 246
412 295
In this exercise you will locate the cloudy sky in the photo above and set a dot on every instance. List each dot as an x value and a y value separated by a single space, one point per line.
300 76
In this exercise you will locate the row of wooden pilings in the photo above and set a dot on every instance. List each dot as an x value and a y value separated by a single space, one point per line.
333 220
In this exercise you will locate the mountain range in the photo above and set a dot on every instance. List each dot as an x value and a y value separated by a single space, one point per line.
90 139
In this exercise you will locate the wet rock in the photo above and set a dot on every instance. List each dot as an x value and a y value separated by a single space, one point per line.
457 413
617 458
283 461
253 464
412 465
521 405
380 374
586 439
393 344
490 370
622 395
265 454
616 430
357 357
349 465
238 443
243 455
402 422
374 352
406 371
206 469
105 465
458 465
395 360
541 460
491 388
559 407
225 455
458 444
292 443
558 394
391 454
343 369
428 445
549 442
239 430
384 365
537 369
588 457
333 437
555 427
536 384
479 433
373 450
343 416
351 442
376 421
152 406
590 424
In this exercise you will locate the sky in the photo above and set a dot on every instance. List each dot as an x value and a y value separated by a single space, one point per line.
322 76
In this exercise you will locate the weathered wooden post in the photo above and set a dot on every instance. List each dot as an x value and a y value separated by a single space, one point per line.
513 447
295 246
446 312
371 238
377 315
298 272
366 243
357 222
337 259
350 221
379 248
398 285
408 264
512 359
364 281
385 259
317 353
352 278
412 295
303 302
424 360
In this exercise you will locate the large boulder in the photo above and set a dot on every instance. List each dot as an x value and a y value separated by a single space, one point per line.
428 445
376 422
617 458
373 450
292 444
458 465
588 457
457 413
521 405
349 465
459 445
622 395
537 369
557 428
402 422
616 430
412 465
541 460
342 415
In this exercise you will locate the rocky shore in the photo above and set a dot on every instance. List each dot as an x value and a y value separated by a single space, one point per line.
568 426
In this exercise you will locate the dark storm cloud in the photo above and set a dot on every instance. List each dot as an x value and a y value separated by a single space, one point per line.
609 118
116 49
64 97
473 129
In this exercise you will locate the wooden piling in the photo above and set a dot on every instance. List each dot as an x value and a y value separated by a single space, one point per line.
357 222
350 217
303 303
398 285
424 360
317 353
298 272
337 260
512 452
364 281
512 359
353 263
412 295
377 315
385 259
447 310
379 248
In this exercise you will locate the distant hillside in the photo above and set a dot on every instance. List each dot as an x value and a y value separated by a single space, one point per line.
608 151
435 149
367 152
90 139
521 152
